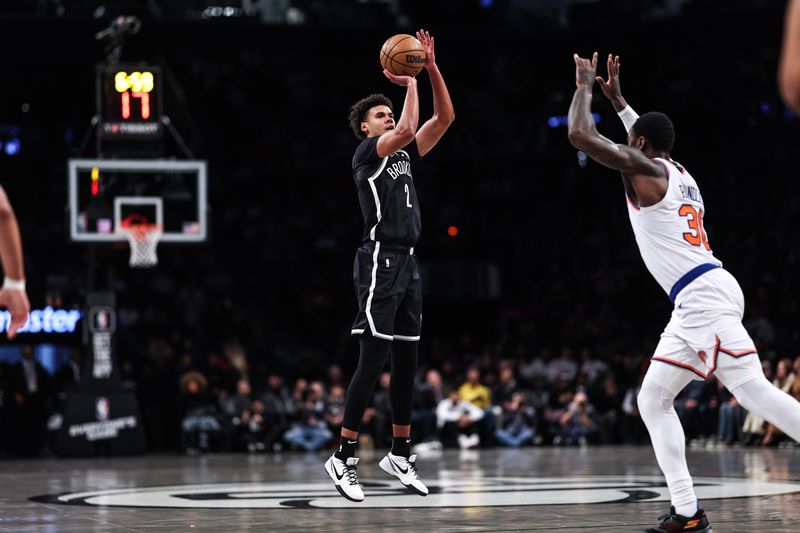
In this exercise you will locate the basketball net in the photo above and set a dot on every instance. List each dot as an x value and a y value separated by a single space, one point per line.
143 241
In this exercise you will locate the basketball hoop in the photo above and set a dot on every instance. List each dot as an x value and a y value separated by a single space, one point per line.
143 240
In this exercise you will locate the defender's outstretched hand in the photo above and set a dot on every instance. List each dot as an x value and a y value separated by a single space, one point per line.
585 70
428 44
402 81
16 301
611 86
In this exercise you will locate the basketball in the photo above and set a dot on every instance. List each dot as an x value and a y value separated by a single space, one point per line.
403 55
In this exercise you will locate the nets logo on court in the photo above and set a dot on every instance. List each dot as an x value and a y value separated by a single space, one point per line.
447 491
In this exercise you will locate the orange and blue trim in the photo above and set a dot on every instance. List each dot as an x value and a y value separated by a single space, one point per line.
679 365
630 202
663 164
718 348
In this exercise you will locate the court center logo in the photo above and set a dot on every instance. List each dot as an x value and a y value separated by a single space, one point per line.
447 491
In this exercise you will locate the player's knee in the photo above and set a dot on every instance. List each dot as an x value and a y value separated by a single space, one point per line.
653 399
369 368
646 401
748 393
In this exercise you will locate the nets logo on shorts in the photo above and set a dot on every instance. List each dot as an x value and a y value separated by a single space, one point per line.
444 492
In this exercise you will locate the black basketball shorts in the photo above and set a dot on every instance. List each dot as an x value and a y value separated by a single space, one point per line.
389 292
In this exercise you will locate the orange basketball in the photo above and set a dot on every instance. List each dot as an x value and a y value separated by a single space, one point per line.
403 55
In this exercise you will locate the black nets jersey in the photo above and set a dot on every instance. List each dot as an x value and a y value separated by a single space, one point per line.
386 193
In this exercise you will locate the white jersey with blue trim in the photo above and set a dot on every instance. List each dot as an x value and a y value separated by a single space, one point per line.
670 233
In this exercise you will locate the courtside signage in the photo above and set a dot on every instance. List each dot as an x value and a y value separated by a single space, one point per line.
47 320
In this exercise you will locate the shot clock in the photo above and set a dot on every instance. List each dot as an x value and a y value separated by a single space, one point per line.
129 102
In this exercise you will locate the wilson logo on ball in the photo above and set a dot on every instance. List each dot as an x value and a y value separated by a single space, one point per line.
403 55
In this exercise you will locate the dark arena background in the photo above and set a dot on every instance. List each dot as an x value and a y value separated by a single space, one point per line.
206 391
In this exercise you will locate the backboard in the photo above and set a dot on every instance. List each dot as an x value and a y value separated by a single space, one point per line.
104 194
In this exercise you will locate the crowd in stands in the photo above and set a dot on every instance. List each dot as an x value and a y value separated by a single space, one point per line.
564 399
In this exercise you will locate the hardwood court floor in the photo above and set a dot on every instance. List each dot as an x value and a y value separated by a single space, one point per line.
609 489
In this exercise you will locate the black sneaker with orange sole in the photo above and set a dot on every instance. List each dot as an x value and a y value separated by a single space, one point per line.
674 523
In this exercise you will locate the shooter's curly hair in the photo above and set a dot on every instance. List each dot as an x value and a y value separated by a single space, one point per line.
358 111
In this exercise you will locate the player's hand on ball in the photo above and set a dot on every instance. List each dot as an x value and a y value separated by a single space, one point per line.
428 44
611 87
585 70
402 81
16 301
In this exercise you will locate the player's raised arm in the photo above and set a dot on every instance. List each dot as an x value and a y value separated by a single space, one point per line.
583 133
12 293
405 129
443 114
611 88
789 68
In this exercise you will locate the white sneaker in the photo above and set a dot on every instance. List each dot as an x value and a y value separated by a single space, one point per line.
405 470
344 477
463 441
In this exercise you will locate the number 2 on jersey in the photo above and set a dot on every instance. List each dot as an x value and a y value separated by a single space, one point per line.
408 196
697 236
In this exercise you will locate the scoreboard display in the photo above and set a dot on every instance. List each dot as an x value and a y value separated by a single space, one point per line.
129 102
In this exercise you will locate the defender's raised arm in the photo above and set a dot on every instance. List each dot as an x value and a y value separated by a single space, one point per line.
583 133
12 293
611 88
789 68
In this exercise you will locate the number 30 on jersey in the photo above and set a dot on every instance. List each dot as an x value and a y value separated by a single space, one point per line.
697 236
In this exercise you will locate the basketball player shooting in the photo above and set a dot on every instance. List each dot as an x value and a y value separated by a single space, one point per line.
386 271
12 293
705 333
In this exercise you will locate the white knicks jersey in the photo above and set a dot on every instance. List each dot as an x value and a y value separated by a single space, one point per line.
670 234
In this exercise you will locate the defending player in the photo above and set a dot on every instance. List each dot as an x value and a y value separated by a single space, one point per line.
12 293
705 333
386 271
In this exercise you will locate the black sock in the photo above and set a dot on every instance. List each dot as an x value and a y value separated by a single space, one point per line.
401 446
347 449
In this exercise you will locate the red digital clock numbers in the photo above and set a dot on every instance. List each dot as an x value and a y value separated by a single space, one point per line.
129 102
134 85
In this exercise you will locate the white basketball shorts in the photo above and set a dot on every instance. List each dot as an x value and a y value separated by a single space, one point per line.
705 334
